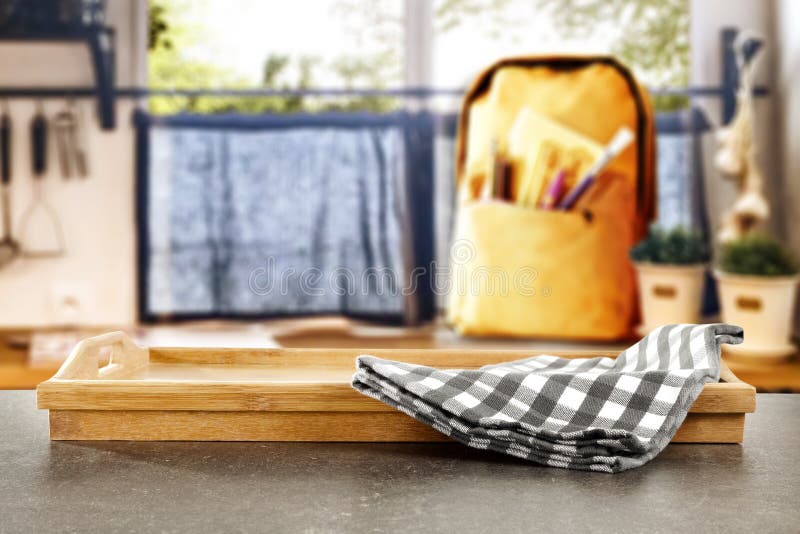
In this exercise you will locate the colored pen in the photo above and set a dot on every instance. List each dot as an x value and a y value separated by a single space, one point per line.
554 191
621 140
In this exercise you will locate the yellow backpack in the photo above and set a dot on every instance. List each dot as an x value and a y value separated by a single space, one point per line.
521 271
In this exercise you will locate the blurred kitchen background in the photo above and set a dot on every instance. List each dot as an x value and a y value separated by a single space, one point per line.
225 140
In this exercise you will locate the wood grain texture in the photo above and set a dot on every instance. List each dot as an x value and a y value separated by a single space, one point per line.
304 426
272 379
282 395
337 357
711 428
772 377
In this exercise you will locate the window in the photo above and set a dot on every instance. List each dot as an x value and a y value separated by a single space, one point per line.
273 44
301 210
651 36
219 197
307 44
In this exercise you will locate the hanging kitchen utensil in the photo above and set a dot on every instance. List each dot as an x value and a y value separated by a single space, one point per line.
80 144
70 141
40 219
9 248
64 131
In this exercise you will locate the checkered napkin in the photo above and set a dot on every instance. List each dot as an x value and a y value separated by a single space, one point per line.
596 414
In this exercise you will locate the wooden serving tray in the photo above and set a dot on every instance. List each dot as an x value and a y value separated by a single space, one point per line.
282 395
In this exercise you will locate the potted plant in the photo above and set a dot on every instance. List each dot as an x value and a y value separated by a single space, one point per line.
757 280
670 266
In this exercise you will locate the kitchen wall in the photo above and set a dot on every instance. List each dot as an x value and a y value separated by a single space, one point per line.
709 17
94 282
787 90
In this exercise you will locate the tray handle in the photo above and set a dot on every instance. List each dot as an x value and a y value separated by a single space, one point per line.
83 361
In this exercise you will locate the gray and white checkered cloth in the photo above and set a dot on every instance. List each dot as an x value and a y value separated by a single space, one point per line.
596 414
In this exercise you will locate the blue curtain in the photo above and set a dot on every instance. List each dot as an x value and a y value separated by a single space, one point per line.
681 194
260 216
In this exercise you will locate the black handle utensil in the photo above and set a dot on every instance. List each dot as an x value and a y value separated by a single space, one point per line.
5 146
9 248
39 144
40 215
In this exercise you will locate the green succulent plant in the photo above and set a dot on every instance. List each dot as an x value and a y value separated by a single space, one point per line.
678 246
757 255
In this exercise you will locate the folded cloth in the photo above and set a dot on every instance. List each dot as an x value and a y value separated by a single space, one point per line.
595 414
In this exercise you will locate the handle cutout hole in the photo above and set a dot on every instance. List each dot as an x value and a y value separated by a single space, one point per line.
103 357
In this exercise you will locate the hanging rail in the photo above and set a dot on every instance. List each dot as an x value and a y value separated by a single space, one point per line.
106 93
409 92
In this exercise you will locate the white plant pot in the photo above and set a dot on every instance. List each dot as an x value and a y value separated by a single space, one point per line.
764 308
669 293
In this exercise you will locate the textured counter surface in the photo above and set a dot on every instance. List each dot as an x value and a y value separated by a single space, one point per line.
329 487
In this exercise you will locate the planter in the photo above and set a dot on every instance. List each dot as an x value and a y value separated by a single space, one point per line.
669 293
764 307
